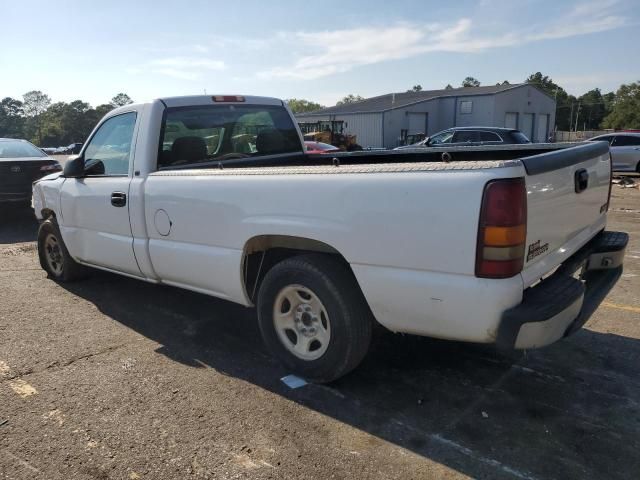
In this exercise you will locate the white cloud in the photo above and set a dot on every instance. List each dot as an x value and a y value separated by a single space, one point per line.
188 63
184 68
343 50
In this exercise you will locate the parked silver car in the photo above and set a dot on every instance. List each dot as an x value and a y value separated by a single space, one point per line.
625 150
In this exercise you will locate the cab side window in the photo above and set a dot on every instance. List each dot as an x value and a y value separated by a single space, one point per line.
109 150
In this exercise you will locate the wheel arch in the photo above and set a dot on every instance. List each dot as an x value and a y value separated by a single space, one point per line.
262 252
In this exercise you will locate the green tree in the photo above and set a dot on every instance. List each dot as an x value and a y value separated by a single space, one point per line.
415 88
299 105
566 105
470 82
625 112
34 105
448 87
120 100
65 123
351 98
608 99
592 109
11 119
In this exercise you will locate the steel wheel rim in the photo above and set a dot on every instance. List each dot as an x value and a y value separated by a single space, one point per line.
301 322
53 254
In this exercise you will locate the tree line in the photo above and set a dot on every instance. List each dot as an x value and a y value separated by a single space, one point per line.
590 111
48 124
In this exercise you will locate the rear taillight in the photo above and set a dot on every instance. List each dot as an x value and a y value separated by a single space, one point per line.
502 230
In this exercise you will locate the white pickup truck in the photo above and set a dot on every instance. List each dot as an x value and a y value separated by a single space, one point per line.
504 245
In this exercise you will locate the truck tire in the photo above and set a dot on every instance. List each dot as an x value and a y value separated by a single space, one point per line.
313 317
54 256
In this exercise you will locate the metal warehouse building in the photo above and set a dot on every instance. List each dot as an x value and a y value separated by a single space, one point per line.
386 120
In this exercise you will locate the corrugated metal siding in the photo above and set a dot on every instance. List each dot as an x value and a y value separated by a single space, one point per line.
366 126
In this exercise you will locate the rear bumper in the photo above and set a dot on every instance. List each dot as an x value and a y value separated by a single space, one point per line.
561 304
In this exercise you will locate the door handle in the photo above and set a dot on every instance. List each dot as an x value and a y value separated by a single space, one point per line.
118 199
581 180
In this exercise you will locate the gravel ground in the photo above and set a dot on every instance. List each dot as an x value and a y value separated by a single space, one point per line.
112 378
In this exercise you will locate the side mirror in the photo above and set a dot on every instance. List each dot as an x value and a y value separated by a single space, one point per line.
94 167
74 168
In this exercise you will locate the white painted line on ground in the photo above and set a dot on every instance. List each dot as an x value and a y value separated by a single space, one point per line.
22 388
436 437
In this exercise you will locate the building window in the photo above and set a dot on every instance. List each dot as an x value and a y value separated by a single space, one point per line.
466 106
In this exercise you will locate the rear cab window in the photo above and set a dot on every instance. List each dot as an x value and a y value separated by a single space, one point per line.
218 133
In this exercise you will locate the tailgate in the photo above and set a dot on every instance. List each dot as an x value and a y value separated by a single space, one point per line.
567 196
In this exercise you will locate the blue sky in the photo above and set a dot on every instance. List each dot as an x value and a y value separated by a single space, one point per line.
320 50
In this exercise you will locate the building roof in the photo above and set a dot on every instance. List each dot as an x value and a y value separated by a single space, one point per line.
391 101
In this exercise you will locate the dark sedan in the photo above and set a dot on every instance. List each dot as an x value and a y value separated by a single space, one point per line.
21 163
471 136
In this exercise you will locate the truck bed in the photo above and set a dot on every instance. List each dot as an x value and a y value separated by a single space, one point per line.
536 158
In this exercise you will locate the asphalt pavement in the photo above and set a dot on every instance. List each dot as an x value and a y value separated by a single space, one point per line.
112 378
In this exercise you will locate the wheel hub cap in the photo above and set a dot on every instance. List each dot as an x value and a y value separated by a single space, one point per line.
301 322
53 254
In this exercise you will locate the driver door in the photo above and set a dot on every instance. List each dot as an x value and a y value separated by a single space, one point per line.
95 208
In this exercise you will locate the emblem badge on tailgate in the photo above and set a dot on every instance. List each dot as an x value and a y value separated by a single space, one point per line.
16 169
536 249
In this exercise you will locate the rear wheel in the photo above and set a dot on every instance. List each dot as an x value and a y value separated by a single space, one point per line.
313 317
54 256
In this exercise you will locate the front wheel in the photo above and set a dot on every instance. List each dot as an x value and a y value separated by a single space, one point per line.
54 256
313 317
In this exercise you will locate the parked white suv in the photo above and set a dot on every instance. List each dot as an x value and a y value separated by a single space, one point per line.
625 150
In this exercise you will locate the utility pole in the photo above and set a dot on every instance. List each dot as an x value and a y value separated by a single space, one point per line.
577 115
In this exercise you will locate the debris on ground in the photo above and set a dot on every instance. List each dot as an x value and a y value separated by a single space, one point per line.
625 182
485 415
293 381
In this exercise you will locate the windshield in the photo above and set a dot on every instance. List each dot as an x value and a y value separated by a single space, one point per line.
19 149
219 133
520 137
444 137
